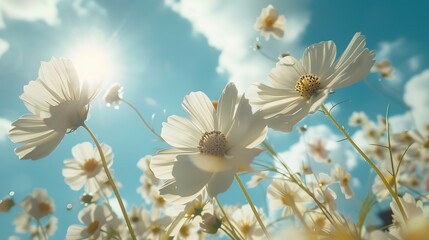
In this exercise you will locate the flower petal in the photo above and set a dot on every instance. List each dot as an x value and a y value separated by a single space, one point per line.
220 182
38 138
179 132
201 110
226 107
318 59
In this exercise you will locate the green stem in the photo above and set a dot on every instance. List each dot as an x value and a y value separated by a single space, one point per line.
368 160
233 232
112 183
252 206
142 119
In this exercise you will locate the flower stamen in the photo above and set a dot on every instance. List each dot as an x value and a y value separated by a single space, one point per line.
213 143
307 85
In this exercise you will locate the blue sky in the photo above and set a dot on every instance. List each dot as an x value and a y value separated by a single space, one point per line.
162 50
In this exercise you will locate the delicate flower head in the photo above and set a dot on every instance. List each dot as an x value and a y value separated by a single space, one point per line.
269 22
385 69
38 204
210 148
58 101
85 169
300 87
95 219
245 221
282 193
358 119
343 177
319 151
114 95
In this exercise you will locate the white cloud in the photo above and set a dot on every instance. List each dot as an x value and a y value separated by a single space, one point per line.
228 27
4 46
414 62
25 10
5 126
150 101
417 98
340 152
84 7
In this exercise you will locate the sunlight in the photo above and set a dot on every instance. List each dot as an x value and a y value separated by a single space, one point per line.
94 59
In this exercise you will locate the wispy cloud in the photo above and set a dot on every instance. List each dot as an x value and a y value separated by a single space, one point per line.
5 126
150 101
4 46
417 98
23 10
229 28
339 152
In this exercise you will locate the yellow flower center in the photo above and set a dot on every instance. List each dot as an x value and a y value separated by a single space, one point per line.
92 227
269 21
307 85
44 208
160 201
90 165
184 231
213 143
246 229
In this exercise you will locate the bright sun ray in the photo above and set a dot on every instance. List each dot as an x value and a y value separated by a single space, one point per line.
95 59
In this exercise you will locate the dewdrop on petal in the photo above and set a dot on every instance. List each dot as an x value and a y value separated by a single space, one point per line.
114 95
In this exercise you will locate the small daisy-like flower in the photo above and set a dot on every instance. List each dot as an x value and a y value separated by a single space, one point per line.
412 209
114 95
269 22
288 195
245 221
58 101
385 69
300 87
210 148
38 204
358 119
343 177
95 219
318 150
85 169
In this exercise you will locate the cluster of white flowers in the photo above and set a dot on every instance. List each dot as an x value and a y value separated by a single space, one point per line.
218 141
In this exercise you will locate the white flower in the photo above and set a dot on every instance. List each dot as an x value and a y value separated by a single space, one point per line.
358 118
95 218
343 177
412 209
85 169
245 221
114 95
210 148
58 102
319 151
38 204
385 69
282 193
269 22
300 87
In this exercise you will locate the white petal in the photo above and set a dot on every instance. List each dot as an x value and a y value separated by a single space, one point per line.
162 163
38 139
201 109
189 179
226 107
285 122
220 182
210 163
60 76
319 58
76 232
179 132
287 71
83 151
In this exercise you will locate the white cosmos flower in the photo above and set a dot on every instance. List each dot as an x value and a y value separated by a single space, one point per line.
300 87
38 204
85 169
114 95
58 101
210 148
95 219
269 22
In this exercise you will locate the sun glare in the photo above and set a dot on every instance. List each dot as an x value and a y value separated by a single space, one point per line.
94 60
